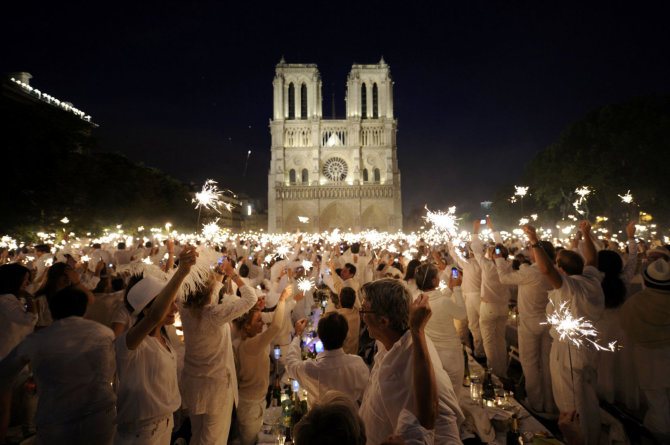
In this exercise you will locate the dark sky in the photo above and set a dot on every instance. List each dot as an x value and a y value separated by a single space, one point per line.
479 86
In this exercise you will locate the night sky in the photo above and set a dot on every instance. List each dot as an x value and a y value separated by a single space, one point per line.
479 87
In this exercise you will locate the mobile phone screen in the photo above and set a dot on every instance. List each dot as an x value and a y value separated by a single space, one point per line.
454 273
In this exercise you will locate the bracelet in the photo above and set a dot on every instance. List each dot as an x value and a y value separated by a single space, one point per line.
537 244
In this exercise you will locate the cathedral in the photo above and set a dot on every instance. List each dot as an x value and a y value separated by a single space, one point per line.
333 173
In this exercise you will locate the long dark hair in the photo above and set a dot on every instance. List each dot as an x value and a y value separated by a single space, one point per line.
48 287
613 286
12 277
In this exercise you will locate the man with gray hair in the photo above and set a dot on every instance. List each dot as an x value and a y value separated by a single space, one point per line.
385 310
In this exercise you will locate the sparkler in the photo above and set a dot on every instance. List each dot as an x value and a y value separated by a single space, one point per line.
444 222
306 264
305 284
303 219
209 197
65 220
282 250
583 192
210 230
627 198
520 190
85 259
443 286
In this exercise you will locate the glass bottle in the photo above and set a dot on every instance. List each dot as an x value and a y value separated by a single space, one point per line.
466 373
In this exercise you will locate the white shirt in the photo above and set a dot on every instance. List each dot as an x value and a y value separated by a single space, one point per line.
472 273
493 291
15 323
147 380
390 390
446 308
533 288
330 370
73 361
209 364
584 297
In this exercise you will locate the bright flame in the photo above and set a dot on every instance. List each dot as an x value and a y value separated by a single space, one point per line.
209 197
627 198
306 264
578 331
520 190
444 222
305 284
303 219
65 220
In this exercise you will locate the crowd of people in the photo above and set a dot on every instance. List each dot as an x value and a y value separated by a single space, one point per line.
94 325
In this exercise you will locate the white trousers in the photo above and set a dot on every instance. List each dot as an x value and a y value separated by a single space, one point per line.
453 363
583 398
472 303
492 321
212 428
250 419
534 349
155 431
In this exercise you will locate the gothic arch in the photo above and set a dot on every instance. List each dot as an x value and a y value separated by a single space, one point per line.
335 216
375 218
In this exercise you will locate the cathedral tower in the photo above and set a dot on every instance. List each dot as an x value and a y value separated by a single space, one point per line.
337 173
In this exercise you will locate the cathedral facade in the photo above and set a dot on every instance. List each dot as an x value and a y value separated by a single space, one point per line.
333 173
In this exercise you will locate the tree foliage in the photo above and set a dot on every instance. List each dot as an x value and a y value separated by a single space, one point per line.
613 149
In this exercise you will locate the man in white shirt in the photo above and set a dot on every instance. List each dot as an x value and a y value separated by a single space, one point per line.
534 338
385 310
577 285
495 297
73 361
345 279
332 369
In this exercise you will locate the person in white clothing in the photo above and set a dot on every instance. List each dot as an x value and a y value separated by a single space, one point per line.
146 361
494 307
332 369
446 308
472 290
209 381
73 363
534 338
17 319
577 285
385 310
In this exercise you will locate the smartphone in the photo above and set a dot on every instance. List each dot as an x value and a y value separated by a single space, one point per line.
454 273
111 265
250 258
497 250
220 261
482 221
395 260
318 346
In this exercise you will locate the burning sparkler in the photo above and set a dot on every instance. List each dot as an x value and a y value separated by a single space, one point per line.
444 222
65 220
627 198
303 219
306 264
577 331
210 230
209 197
583 192
305 284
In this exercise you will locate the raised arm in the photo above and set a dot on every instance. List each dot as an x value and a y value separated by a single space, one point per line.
263 339
164 299
423 374
542 260
589 247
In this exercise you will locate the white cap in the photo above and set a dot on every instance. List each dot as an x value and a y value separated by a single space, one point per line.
143 292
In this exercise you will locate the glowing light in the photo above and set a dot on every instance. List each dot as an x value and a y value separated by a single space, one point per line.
49 262
210 230
443 286
520 190
523 221
85 259
627 198
147 260
578 331
534 216
268 259
209 197
445 222
303 219
305 284
65 220
282 250
306 264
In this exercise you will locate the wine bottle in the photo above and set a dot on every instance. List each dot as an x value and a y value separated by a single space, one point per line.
466 373
276 393
488 388
297 409
513 434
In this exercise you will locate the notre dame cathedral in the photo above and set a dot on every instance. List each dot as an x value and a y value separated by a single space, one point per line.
333 173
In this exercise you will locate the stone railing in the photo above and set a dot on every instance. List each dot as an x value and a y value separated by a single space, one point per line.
334 192
334 133
372 135
297 135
